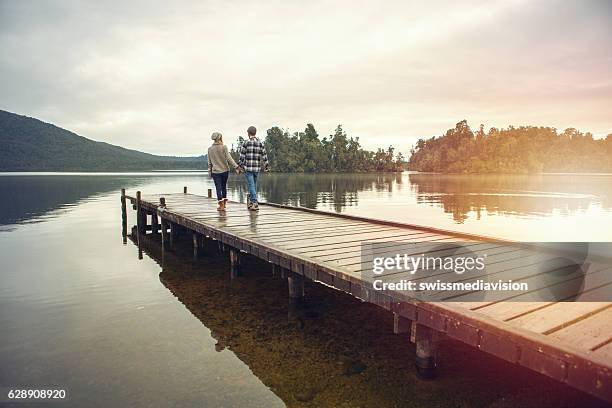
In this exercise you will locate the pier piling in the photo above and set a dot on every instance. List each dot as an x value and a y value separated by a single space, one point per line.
196 245
426 350
295 283
234 262
401 325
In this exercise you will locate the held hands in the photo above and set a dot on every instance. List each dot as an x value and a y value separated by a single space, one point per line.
238 170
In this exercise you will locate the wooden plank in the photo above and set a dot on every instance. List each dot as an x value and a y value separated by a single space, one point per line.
315 237
594 331
350 246
348 239
604 351
288 230
560 287
530 302
350 259
557 316
499 261
222 223
291 230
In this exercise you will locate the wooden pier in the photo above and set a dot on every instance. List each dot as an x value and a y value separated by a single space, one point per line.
568 341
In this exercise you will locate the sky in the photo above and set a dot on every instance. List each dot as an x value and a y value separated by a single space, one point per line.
162 77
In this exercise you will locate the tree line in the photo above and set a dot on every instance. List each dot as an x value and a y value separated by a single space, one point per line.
306 152
524 149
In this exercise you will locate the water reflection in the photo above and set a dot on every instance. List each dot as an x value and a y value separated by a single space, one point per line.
30 198
521 207
330 191
521 195
322 357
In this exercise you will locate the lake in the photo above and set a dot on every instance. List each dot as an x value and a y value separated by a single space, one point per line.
79 310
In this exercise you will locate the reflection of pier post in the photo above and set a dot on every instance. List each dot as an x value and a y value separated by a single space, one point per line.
141 222
154 223
123 216
164 224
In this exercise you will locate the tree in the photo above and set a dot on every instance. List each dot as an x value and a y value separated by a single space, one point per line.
524 149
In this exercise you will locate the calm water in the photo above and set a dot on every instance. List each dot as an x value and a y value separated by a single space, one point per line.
80 311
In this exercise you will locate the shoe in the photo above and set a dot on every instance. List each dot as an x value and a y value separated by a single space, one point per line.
255 207
221 206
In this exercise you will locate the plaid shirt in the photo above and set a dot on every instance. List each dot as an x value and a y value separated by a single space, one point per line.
253 155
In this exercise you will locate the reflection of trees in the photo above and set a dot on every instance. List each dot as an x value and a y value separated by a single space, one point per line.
29 197
333 190
511 194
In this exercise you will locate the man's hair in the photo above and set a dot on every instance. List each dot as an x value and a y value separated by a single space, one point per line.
251 130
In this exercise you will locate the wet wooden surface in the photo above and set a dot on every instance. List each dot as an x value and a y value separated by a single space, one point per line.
569 341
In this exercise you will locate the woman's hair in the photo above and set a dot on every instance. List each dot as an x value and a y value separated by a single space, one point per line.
217 137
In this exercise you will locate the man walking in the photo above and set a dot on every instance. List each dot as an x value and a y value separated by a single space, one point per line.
252 157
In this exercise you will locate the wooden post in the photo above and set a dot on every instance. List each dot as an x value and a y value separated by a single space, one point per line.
275 270
185 190
295 283
201 243
172 235
426 350
195 245
234 262
401 325
123 216
210 193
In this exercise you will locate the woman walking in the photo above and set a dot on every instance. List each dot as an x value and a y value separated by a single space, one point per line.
219 161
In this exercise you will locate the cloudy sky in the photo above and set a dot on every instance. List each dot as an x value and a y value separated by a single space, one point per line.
162 78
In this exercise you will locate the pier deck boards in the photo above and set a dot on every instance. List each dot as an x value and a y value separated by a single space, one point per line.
568 341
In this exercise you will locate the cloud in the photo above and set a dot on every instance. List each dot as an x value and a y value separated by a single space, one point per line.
161 78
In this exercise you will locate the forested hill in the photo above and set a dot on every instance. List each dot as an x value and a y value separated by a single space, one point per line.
305 152
525 149
29 144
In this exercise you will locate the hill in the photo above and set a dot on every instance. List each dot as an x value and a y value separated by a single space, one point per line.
29 144
524 149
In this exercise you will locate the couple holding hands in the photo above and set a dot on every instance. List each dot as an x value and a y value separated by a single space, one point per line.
252 157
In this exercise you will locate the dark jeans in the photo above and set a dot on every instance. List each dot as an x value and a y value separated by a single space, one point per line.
220 180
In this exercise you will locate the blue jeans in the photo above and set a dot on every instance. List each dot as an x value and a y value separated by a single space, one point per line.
251 177
220 180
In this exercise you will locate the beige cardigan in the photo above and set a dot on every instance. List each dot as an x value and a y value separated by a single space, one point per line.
219 158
